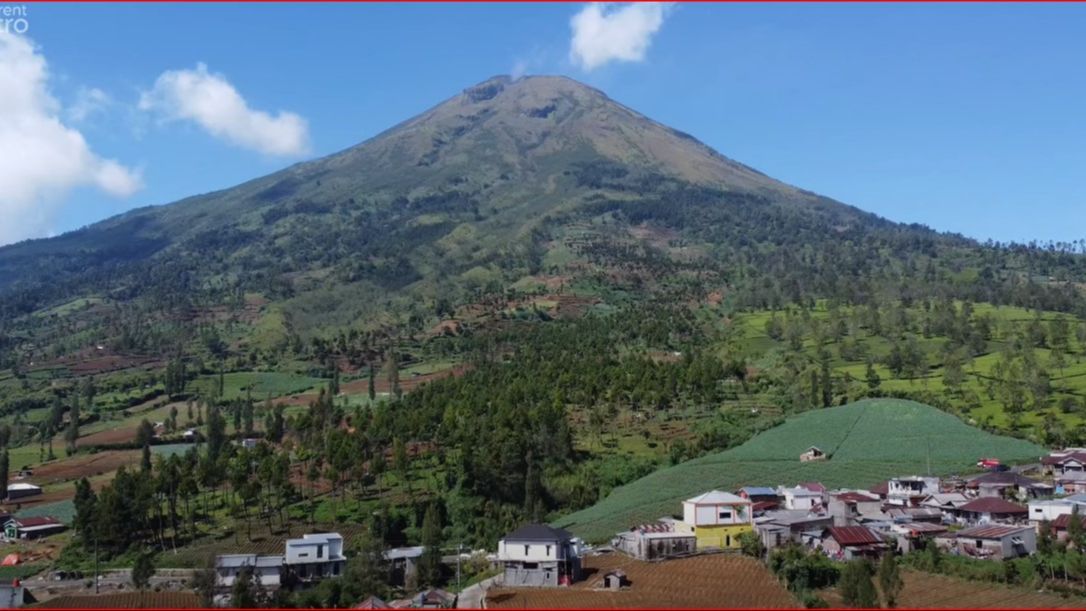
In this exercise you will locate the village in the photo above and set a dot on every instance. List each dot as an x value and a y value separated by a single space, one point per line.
995 515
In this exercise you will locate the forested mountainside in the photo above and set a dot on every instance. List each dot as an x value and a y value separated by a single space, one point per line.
596 294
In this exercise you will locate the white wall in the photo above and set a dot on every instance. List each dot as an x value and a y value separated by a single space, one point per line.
1047 511
527 551
710 515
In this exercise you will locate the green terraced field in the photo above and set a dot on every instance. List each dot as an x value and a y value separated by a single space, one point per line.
869 441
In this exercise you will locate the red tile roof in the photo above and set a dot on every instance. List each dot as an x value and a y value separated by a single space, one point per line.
37 521
1059 460
813 486
853 535
992 504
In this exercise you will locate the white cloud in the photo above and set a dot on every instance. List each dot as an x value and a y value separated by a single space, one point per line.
88 101
41 159
603 33
214 104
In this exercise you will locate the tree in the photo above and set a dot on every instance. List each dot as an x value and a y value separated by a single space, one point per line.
142 571
4 468
372 383
367 572
1075 535
751 544
872 376
856 587
429 570
890 581
204 583
247 592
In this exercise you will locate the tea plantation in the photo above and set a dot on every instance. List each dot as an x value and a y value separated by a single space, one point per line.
868 442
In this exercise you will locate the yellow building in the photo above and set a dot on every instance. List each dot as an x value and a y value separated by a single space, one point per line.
717 519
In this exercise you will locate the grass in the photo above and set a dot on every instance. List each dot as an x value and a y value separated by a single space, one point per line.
259 383
869 441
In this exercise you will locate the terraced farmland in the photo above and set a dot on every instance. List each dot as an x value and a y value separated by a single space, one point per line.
868 441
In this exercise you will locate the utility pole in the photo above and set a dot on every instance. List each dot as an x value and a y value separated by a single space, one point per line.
96 562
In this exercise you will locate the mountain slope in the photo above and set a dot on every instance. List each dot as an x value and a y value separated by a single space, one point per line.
868 442
499 184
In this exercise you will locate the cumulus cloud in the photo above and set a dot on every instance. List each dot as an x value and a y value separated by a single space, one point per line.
603 32
41 159
214 104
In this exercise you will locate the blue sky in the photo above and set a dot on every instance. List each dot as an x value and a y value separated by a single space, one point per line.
968 118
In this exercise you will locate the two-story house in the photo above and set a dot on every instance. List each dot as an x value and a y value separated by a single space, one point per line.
717 519
910 491
540 555
315 556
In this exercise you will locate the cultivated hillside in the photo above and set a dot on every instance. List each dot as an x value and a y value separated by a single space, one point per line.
870 441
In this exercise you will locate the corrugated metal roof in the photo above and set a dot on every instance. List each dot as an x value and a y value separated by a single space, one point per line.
991 531
992 505
853 535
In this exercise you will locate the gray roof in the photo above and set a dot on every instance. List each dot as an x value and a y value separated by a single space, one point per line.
788 517
237 561
538 532
758 491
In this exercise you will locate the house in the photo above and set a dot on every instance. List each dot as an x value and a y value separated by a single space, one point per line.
776 528
1072 482
1051 509
540 555
32 528
849 542
916 535
372 602
880 490
309 558
1009 485
717 519
1065 461
800 497
615 579
945 501
993 541
655 541
910 490
403 564
901 515
1060 524
986 510
190 435
315 556
812 453
249 443
267 569
433 598
759 494
21 490
846 506
14 595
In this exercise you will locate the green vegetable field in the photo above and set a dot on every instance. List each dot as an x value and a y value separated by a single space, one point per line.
869 441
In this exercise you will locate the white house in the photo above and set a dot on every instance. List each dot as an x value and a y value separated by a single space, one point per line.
911 490
20 490
540 555
1049 510
265 568
717 519
800 498
315 555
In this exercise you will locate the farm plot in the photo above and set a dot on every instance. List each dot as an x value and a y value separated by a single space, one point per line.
127 600
197 554
718 580
928 591
84 465
869 442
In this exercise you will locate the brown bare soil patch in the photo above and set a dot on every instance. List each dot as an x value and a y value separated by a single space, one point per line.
125 434
928 591
718 580
83 465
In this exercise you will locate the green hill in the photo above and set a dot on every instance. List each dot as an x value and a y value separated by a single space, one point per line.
869 441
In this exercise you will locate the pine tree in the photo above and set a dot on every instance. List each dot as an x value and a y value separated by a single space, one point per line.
430 562
372 383
4 467
890 581
856 587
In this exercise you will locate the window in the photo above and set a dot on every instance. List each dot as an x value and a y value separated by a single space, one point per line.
320 551
725 514
526 547
980 543
548 550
